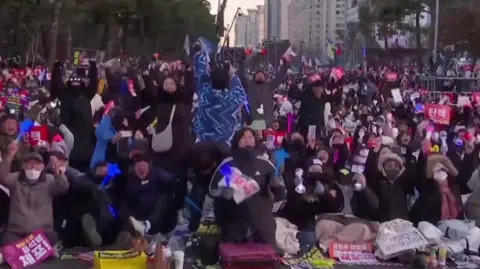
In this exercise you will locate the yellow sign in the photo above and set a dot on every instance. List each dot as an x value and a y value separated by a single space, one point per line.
208 229
313 257
119 259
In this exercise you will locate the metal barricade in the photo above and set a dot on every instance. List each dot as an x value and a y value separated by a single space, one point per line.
457 84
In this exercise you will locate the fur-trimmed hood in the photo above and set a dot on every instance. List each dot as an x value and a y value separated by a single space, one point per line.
443 160
382 159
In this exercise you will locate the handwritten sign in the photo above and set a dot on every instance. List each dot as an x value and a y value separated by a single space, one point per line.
400 240
28 251
36 134
336 247
438 113
243 187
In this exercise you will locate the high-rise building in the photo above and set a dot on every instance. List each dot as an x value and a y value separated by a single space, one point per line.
252 27
312 23
273 18
261 22
284 19
241 32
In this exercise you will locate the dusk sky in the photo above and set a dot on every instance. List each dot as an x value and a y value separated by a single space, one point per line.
232 6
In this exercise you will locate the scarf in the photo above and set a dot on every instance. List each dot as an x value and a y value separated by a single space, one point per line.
449 208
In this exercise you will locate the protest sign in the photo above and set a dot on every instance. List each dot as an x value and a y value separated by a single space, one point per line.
28 251
243 186
336 247
276 136
36 134
438 113
356 257
396 241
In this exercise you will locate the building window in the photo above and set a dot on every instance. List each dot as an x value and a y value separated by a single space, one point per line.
318 12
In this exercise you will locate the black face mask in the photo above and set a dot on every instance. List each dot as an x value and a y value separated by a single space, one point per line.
260 82
364 119
297 145
392 174
315 175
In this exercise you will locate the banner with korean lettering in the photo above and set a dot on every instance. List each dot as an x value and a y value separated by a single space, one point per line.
36 134
274 137
438 113
28 251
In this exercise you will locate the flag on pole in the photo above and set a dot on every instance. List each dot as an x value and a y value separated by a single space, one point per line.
207 46
330 50
317 62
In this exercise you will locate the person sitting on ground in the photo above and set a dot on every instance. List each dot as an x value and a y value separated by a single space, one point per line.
31 191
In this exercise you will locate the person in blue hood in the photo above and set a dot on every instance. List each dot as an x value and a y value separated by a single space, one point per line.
220 99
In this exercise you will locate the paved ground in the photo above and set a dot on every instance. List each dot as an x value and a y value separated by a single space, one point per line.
66 264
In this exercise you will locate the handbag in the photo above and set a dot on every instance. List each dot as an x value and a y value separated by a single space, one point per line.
250 255
163 141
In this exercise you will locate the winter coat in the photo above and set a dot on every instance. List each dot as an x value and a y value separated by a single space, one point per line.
31 204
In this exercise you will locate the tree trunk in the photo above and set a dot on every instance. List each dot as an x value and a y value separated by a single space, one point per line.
52 51
385 42
112 36
418 36
106 34
69 41
43 38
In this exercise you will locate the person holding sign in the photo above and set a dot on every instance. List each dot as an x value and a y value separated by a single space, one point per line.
31 192
8 133
244 188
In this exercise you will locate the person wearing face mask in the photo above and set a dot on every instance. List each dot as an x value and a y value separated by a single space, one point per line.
439 198
394 184
32 192
309 194
240 213
259 93
315 108
462 155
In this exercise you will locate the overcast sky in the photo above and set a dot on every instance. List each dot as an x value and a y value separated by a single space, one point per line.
232 6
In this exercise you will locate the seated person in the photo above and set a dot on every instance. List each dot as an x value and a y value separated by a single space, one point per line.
439 198
247 218
31 191
149 195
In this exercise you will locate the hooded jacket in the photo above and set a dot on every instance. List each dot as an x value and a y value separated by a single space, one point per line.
216 116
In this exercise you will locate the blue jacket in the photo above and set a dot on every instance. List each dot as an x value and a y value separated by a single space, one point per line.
216 117
104 133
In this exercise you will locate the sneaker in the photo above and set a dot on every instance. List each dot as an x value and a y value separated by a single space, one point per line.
139 226
90 230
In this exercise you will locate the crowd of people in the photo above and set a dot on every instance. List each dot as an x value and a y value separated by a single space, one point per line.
351 153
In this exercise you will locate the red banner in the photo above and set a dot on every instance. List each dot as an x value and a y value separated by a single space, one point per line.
277 136
438 113
36 134
334 247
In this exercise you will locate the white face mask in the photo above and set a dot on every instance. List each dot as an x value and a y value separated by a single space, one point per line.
32 174
440 176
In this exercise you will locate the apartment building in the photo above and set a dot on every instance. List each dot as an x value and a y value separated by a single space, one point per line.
241 31
313 22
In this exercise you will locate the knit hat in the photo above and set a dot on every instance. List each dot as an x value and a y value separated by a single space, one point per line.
32 156
59 150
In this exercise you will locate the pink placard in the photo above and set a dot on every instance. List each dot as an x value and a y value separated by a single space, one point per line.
28 251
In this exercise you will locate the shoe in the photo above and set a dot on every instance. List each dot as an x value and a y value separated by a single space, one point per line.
139 226
123 241
90 230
